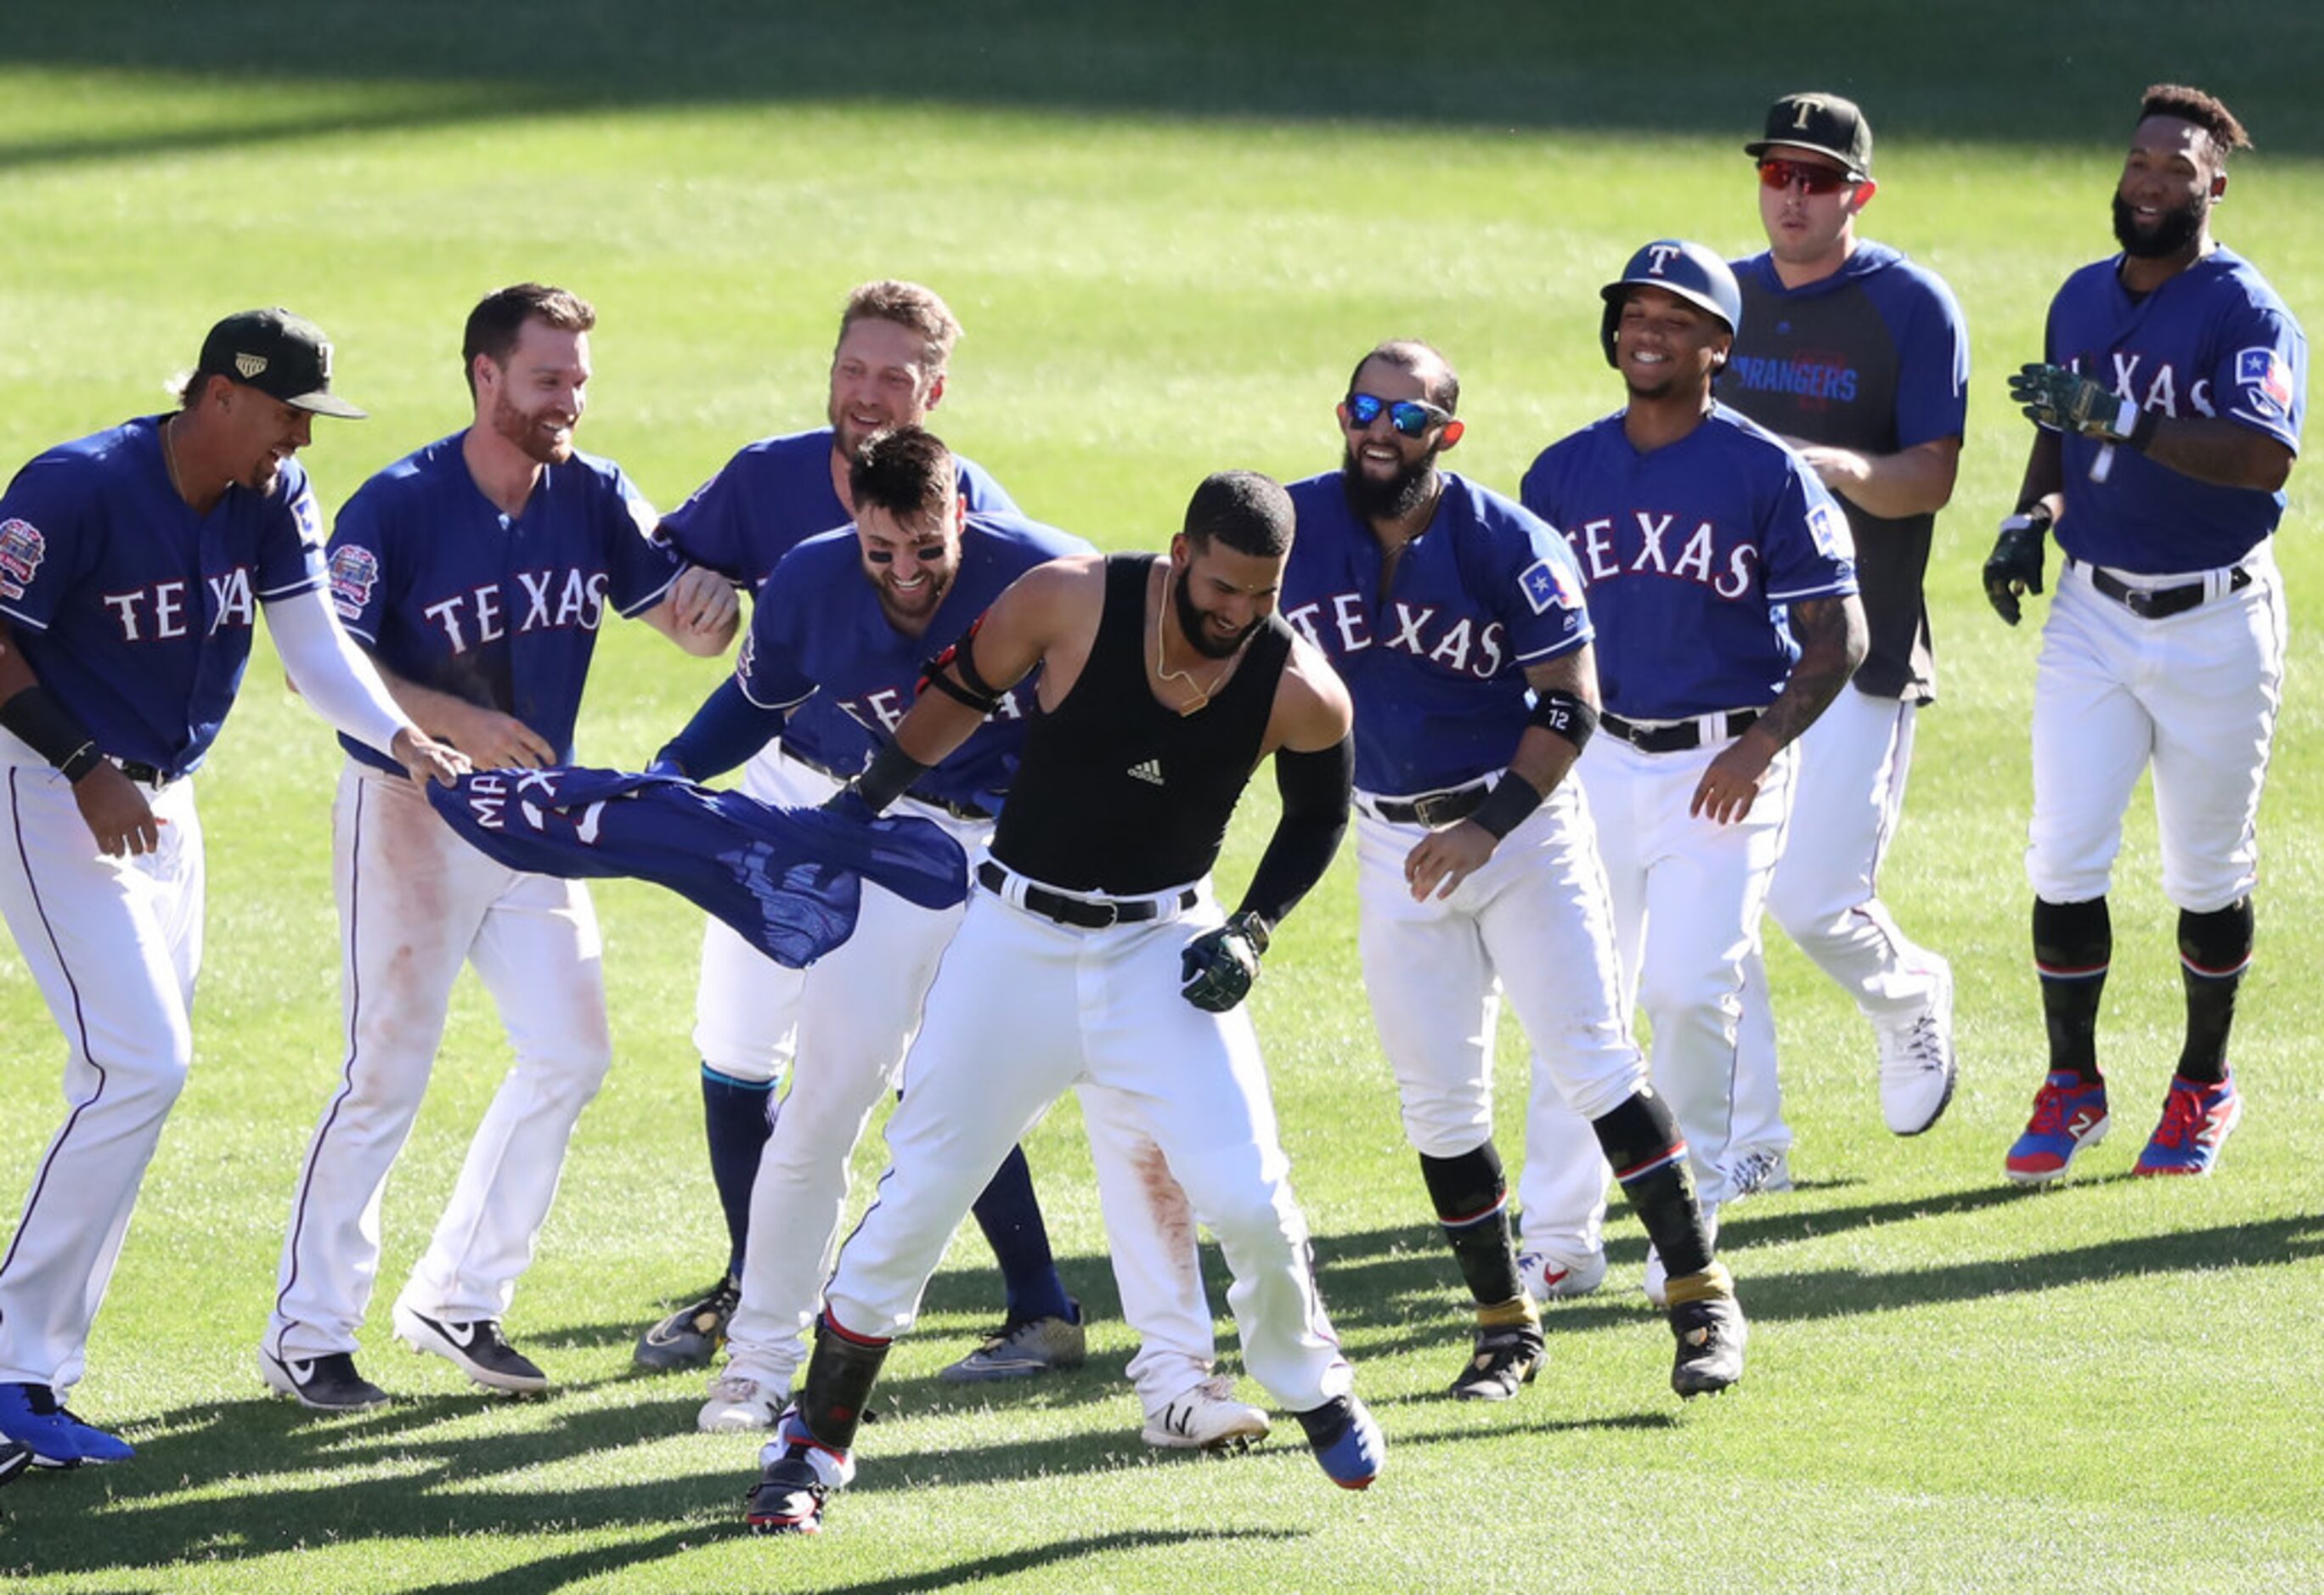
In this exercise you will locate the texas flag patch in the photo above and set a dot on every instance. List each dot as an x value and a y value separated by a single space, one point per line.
2266 381
1546 584
22 550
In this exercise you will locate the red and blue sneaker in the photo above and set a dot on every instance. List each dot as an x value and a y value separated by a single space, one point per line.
2070 1113
2196 1120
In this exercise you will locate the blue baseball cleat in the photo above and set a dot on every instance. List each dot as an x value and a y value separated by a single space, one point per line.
31 1416
1347 1444
2068 1116
2196 1121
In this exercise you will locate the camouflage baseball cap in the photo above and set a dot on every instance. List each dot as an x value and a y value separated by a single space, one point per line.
1825 123
282 356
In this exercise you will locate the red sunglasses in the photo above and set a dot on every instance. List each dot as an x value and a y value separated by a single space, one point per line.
1780 175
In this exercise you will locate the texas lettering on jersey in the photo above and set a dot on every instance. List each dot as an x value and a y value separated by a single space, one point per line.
159 613
1339 624
552 600
1664 543
2155 385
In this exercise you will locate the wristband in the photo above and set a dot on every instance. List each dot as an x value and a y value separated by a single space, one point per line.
45 726
2142 430
888 775
1507 806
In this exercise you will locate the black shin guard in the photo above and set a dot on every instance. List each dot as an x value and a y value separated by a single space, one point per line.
838 1387
2073 945
2214 951
1471 1200
1642 1141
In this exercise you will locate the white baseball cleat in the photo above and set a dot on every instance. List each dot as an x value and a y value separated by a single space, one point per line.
1918 1070
739 1404
1206 1417
1549 1278
1760 1169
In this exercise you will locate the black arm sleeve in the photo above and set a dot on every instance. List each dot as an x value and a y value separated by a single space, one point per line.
1315 788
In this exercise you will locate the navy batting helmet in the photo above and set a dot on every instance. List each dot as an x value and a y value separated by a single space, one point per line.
1676 266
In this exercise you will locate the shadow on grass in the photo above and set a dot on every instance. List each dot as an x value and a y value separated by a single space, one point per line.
1927 72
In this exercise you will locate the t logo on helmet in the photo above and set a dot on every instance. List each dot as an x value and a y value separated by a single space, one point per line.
1663 254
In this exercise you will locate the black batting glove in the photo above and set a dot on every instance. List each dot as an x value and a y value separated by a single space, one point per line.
2053 396
2015 565
1218 966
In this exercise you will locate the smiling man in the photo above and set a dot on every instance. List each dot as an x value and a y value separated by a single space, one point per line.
1456 619
1857 358
133 564
477 573
1723 596
2169 399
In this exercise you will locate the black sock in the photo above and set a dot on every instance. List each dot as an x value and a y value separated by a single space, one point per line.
2073 945
737 1117
1473 1203
1010 1214
1642 1141
2214 951
840 1375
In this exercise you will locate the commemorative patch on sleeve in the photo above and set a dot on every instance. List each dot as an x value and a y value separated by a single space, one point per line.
1548 585
354 572
22 550
2266 381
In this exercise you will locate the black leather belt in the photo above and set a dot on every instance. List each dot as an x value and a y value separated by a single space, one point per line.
1675 739
1431 808
1082 913
959 811
2156 604
142 773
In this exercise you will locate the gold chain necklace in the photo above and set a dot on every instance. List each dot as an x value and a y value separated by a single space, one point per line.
169 461
1167 676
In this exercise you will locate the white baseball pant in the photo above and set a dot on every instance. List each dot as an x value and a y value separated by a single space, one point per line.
1687 895
1024 1008
745 1004
1846 805
2195 693
114 946
1534 923
416 903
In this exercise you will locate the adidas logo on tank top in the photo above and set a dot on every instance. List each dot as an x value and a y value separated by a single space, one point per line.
1147 770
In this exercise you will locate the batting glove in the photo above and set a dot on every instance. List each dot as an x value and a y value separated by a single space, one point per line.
2015 565
1218 966
2053 396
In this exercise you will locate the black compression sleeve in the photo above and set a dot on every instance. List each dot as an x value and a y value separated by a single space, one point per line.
50 729
1315 788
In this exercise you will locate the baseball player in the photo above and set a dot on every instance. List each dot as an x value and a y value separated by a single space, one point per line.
2169 401
1458 622
477 571
1859 360
847 616
889 369
1096 954
133 563
1723 597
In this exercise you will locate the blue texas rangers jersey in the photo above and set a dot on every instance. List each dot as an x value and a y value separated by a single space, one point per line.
1690 554
2214 340
135 611
1436 661
502 612
772 496
817 629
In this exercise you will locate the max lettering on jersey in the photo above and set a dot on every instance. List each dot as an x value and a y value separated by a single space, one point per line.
1339 626
1644 543
550 599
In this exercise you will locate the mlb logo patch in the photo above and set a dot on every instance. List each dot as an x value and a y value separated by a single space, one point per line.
1544 584
2265 380
1829 527
22 550
355 571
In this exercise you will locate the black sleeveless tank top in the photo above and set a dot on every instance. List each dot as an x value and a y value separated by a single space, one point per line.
1118 795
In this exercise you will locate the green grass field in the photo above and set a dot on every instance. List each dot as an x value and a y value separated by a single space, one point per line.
1170 234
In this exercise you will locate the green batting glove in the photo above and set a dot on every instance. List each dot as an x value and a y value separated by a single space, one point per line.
1218 966
2055 397
2015 565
